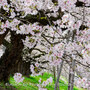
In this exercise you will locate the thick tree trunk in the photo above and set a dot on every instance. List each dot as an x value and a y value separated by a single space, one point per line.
24 68
11 56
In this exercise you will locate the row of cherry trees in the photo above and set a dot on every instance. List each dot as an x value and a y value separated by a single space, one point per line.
49 32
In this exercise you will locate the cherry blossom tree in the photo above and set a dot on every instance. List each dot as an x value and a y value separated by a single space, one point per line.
58 29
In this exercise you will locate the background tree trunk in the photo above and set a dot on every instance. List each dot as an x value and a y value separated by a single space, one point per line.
57 76
59 73
71 76
54 73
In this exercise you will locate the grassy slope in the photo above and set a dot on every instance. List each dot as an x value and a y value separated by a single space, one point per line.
30 83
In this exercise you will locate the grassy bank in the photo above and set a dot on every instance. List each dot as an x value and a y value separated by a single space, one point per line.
31 83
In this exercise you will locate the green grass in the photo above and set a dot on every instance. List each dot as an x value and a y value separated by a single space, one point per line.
31 83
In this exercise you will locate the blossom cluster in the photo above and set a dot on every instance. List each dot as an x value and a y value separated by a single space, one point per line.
32 6
18 77
44 83
84 83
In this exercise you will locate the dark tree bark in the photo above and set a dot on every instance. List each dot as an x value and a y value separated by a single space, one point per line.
11 56
23 68
2 36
